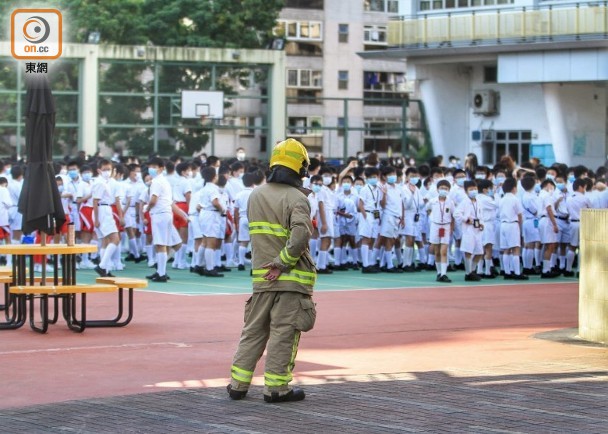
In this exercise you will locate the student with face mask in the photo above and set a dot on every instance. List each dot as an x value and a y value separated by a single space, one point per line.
469 215
105 225
441 218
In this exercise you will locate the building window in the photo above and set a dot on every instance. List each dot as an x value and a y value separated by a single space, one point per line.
341 127
342 80
374 35
343 33
496 144
305 78
304 126
490 74
390 6
380 134
384 88
248 122
304 4
299 30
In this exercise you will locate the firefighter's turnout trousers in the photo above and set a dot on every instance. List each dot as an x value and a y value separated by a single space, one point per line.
273 319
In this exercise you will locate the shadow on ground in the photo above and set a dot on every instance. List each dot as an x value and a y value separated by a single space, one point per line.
431 401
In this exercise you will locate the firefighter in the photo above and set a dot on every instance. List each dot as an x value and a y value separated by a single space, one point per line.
283 271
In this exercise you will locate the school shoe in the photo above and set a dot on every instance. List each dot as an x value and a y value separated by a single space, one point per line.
471 277
213 273
324 271
130 258
153 276
488 276
241 267
369 270
160 279
223 269
520 277
394 270
549 275
235 394
102 272
568 273
443 278
295 394
508 276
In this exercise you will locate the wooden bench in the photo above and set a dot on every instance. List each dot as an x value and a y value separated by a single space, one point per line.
123 283
67 293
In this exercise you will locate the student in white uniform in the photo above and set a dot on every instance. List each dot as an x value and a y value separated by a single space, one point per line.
182 190
161 209
489 208
457 195
549 230
347 222
105 226
211 212
577 202
511 220
531 233
441 218
133 186
327 208
15 218
392 217
241 220
315 184
563 221
414 205
369 218
5 204
469 214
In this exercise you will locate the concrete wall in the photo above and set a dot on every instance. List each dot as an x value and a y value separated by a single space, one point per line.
593 286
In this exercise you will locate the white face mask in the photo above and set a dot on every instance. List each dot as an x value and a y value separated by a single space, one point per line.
327 180
137 177
240 156
106 174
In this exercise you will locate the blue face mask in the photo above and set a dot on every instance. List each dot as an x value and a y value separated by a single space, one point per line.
346 186
86 177
536 188
491 193
442 193
571 179
480 176
391 179
499 180
473 194
414 181
551 177
460 182
316 188
358 188
60 188
73 174
153 171
560 186
372 181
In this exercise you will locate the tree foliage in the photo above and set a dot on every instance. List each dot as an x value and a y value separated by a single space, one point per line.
192 23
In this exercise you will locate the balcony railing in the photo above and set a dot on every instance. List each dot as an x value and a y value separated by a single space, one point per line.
573 21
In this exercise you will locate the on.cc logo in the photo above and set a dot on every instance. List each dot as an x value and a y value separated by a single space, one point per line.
36 30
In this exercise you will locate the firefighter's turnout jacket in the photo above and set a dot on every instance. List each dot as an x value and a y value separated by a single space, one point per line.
280 228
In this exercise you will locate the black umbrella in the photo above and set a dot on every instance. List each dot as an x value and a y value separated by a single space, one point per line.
40 201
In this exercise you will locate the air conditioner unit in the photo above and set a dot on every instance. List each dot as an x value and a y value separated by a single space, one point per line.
485 102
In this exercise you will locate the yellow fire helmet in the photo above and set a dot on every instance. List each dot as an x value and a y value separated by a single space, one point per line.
290 153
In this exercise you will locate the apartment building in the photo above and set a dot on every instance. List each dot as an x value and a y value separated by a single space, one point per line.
518 77
339 103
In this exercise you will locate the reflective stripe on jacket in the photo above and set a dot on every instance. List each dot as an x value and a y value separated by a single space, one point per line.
280 229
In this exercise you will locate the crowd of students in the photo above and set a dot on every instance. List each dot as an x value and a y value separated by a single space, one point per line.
369 214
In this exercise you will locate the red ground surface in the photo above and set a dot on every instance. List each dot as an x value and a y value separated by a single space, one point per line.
180 341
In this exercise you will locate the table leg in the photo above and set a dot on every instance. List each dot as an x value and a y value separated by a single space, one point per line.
116 322
44 309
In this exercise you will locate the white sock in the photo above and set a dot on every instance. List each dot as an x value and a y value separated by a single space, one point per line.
209 259
229 251
408 256
422 253
218 257
444 268
431 259
194 261
133 247
365 255
569 260
354 254
107 256
553 260
546 265
200 261
468 264
506 262
515 264
375 255
457 256
489 264
388 258
322 260
562 262
438 267
242 253
313 245
337 255
161 263
479 267
398 254
150 253
538 257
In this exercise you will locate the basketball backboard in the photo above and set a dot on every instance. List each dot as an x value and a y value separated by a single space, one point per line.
197 104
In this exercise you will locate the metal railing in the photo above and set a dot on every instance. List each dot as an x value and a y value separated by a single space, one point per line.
572 21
